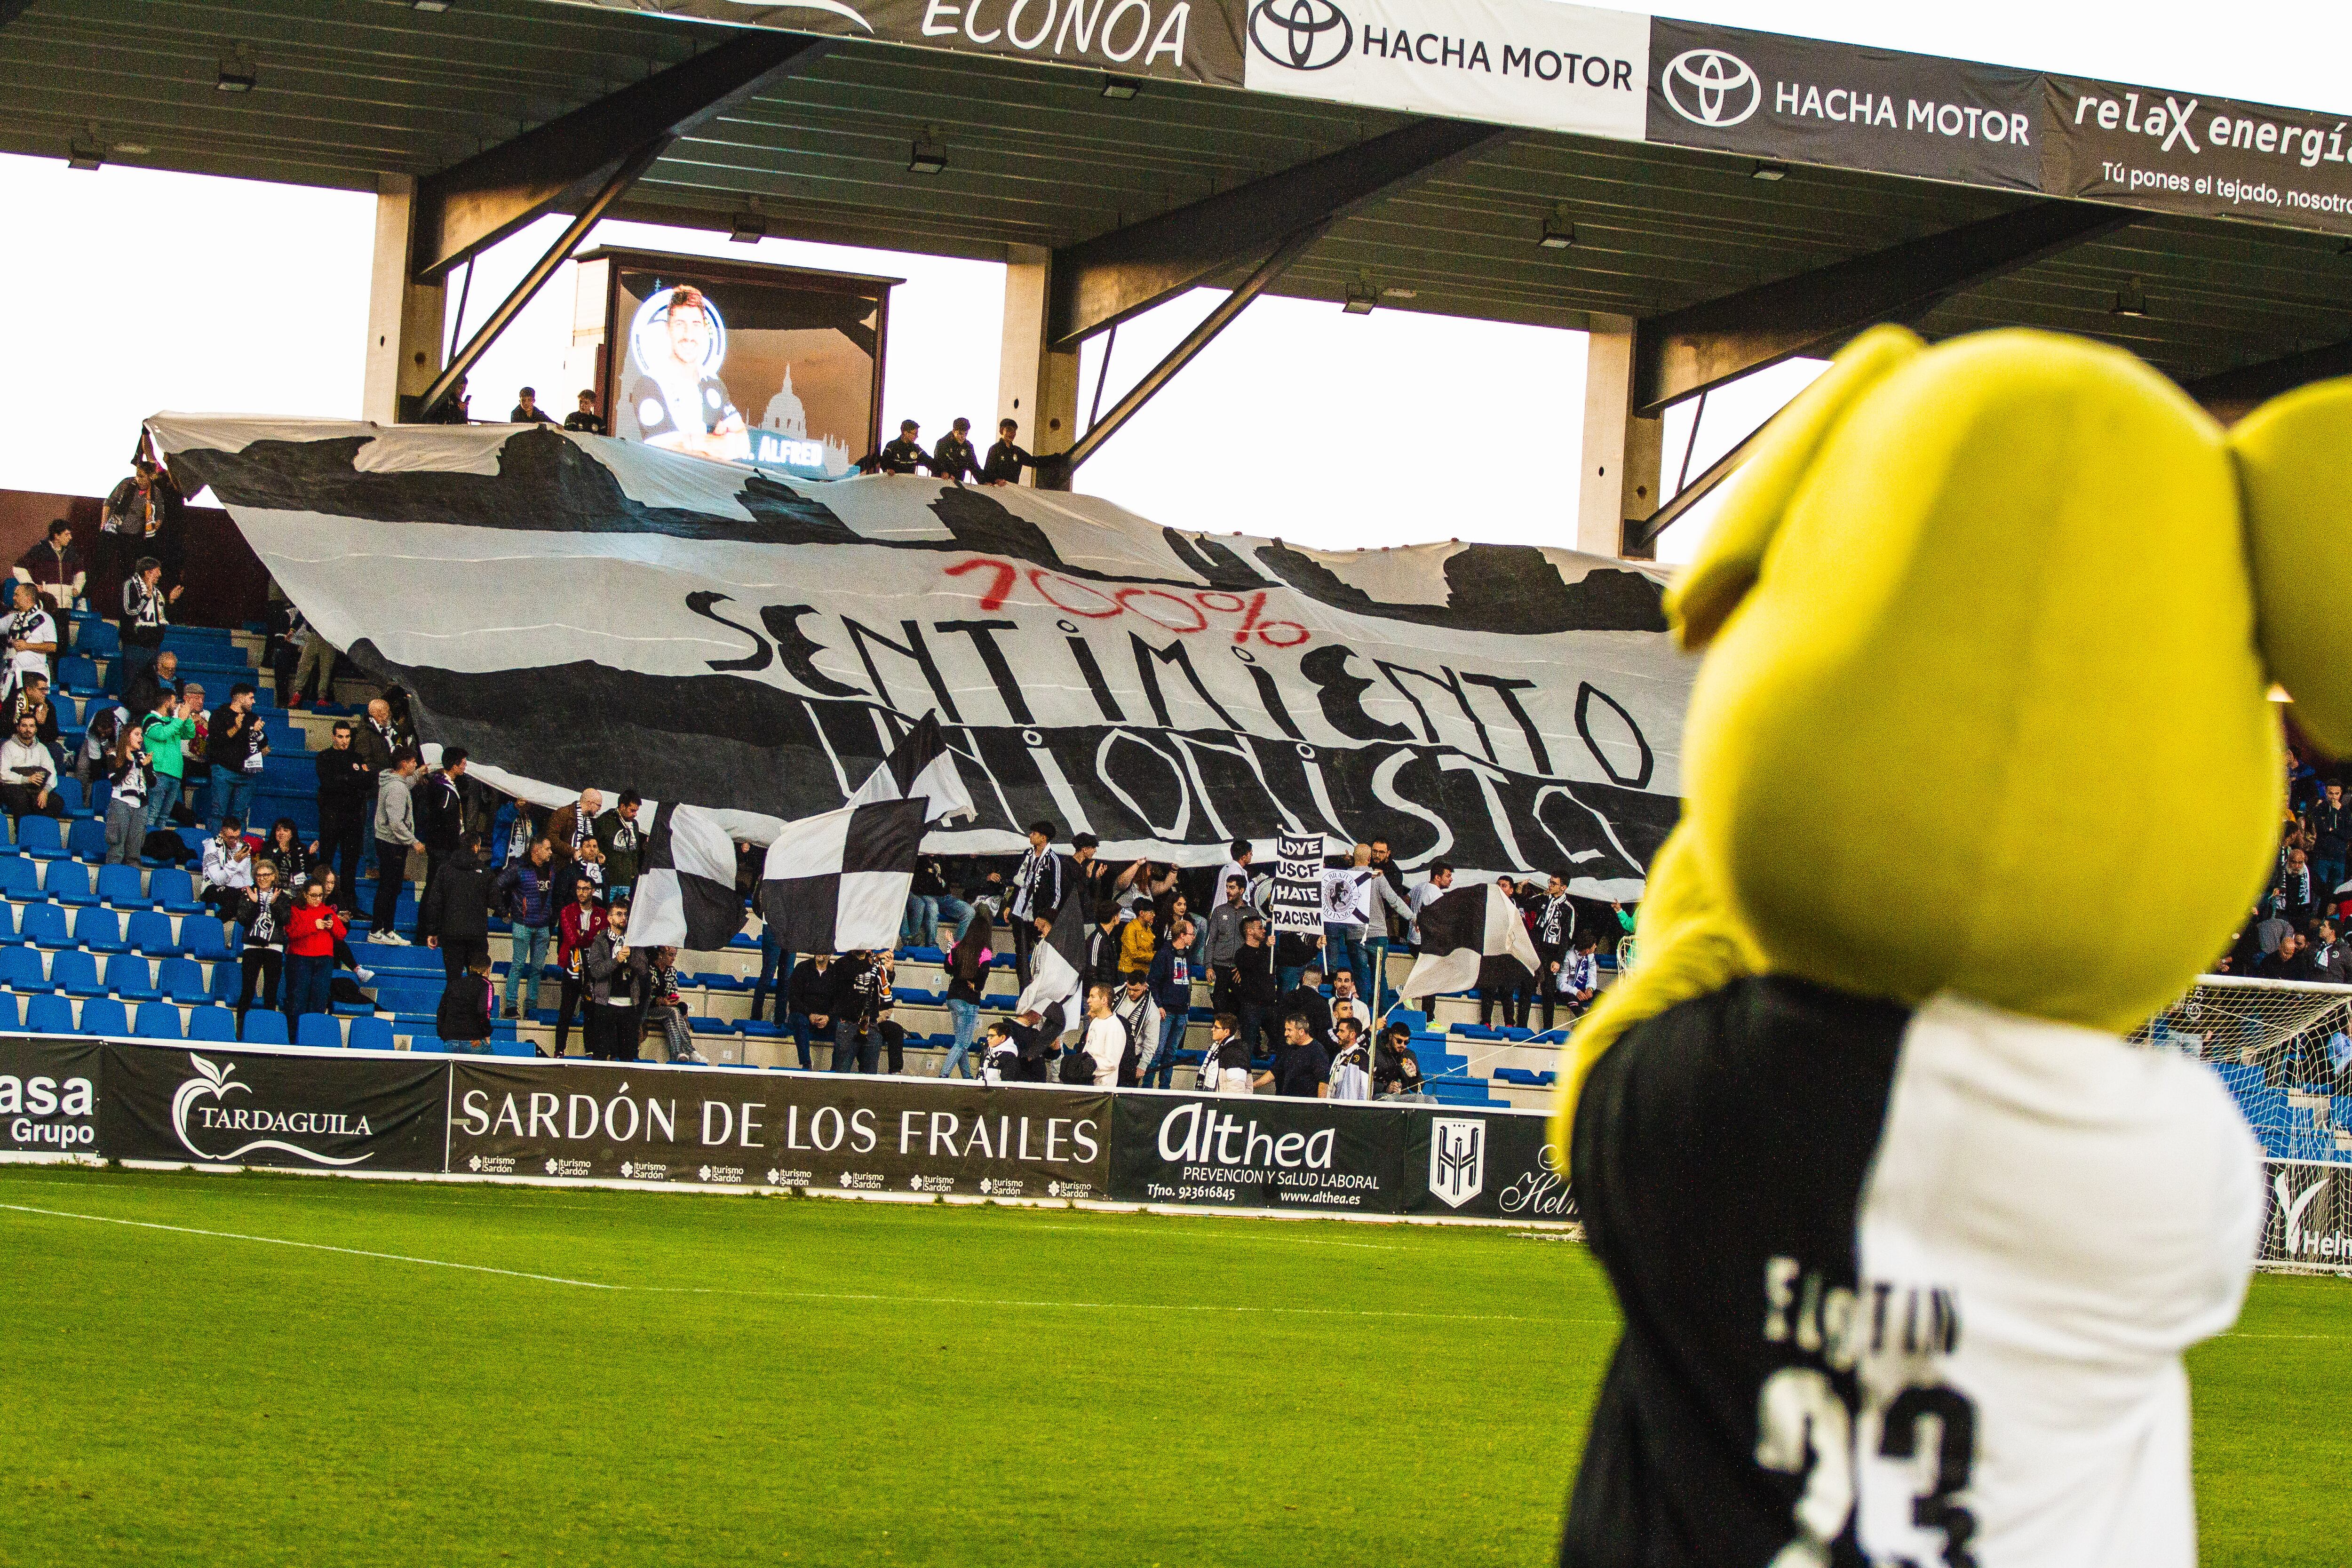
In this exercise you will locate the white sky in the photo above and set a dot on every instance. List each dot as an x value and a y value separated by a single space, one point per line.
1325 429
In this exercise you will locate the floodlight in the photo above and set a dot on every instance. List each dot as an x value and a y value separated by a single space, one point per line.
435 5
84 154
1121 88
1558 234
1770 172
926 157
1361 298
748 228
2130 299
237 71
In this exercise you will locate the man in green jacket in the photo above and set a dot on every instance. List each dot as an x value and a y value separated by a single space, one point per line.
621 836
168 729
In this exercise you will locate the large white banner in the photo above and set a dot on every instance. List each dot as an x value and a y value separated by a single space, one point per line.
577 610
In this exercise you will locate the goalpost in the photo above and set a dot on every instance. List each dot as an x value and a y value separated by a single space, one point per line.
2283 1047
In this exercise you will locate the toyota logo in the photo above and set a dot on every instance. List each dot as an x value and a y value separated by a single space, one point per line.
1305 35
1708 87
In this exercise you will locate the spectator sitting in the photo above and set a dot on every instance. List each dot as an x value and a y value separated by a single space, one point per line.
1576 981
1396 1068
1001 1062
1302 1068
227 873
861 994
664 1009
456 407
954 457
1351 1077
527 410
1137 943
32 697
29 772
54 568
584 418
582 919
622 840
153 688
126 803
395 835
467 999
102 737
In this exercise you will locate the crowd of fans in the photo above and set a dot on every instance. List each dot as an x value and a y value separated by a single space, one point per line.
2294 930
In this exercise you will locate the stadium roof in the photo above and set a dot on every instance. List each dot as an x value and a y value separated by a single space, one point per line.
1198 173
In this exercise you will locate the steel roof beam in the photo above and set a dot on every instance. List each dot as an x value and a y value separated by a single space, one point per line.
474 204
1686 352
1100 282
2233 393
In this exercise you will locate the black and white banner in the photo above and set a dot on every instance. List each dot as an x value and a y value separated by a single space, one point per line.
1296 900
322 1110
577 611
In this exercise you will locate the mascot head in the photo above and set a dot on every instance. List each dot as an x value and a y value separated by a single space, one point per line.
1990 631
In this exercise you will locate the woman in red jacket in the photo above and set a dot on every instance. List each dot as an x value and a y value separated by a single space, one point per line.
310 934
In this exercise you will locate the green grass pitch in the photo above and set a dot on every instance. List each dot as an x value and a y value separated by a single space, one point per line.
783 1381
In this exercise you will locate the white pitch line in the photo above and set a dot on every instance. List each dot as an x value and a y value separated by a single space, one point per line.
315 1246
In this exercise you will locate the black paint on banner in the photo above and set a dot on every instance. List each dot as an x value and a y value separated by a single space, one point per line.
738 1128
1494 1165
49 1096
1259 1152
1808 100
361 1112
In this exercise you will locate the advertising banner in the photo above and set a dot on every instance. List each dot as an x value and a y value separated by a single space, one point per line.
1506 62
2310 1220
1497 1165
1808 100
328 1112
49 1096
2172 151
1501 707
1228 1152
848 1133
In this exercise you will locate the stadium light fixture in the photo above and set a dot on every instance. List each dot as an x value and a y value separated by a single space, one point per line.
926 156
1770 172
237 71
1361 298
2131 299
1121 88
1558 234
750 225
86 151
436 6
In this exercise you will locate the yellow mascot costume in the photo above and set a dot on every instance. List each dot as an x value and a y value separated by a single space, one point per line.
1980 771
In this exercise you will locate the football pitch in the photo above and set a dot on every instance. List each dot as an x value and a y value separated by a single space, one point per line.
233 1370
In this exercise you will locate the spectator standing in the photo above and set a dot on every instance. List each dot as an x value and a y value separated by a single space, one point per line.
1351 895
967 970
264 912
2330 821
126 801
1302 1068
808 1002
139 513
1503 978
621 838
1000 1059
347 798
54 567
28 773
145 612
1294 954
1396 1066
101 741
395 835
1007 459
152 688
457 408
1441 881
1551 924
314 664
226 870
1398 903
377 738
1347 1004
1247 987
1350 1072
1139 943
573 824
1239 866
526 891
455 914
196 770
2298 891
1227 1059
1224 926
1305 1000
1171 988
1139 1018
576 931
861 993
284 849
1105 1044
527 410
954 457
616 974
1101 965
584 418
237 746
169 730
31 636
463 1019
1037 890
311 930
439 804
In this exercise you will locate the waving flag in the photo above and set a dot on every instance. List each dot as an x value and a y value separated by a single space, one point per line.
838 883
686 893
920 767
1458 930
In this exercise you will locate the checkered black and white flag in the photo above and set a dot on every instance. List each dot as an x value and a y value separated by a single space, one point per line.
920 767
685 895
838 883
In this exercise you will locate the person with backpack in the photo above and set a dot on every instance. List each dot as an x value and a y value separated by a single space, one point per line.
525 894
1104 1047
468 1000
1138 1016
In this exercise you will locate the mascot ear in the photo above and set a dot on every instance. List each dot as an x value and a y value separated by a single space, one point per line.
1706 591
1687 946
2295 481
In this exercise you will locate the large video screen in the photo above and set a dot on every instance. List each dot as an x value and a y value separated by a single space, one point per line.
771 365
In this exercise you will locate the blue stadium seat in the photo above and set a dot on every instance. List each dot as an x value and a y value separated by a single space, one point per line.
201 936
19 879
8 1017
121 885
158 1021
47 1015
21 970
68 790
75 973
86 839
104 1015
173 890
182 980
99 638
317 1030
78 675
69 883
371 1034
9 935
100 930
265 1026
40 837
213 1023
149 930
127 977
45 924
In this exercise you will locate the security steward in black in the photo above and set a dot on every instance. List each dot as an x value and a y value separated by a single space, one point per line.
1006 459
955 456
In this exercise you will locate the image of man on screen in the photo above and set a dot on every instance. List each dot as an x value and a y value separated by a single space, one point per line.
679 400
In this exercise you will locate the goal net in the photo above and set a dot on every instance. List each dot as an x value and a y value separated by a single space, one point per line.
2285 1049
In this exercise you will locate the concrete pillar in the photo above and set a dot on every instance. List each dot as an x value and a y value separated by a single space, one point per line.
1619 476
1035 384
404 318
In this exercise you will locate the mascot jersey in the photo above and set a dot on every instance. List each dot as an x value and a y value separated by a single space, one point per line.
1918 1293
1908 1242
